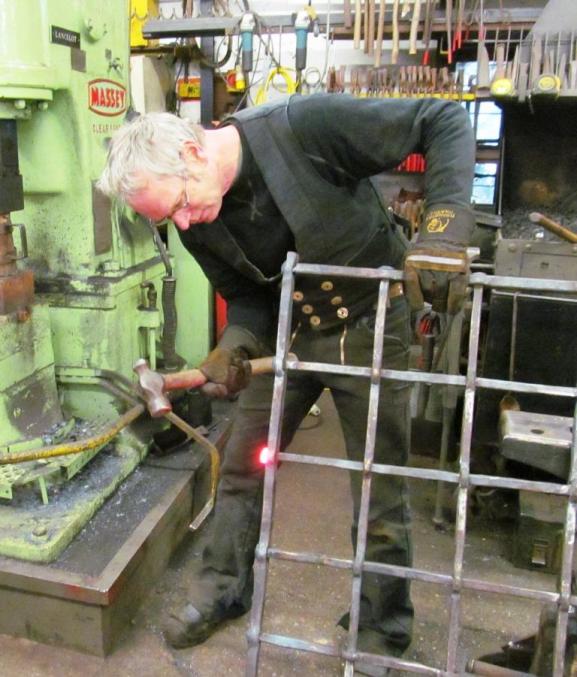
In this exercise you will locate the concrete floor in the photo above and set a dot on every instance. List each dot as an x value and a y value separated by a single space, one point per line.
313 508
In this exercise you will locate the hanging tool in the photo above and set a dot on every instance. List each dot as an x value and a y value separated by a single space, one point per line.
448 27
501 85
414 27
483 77
458 38
561 71
395 49
573 75
371 33
305 18
366 10
247 28
522 81
380 31
348 16
547 82
535 64
357 26
427 30
572 65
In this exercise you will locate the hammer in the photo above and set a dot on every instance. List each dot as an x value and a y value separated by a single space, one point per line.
155 385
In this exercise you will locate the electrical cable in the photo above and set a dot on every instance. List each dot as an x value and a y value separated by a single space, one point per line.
291 86
267 48
328 38
214 65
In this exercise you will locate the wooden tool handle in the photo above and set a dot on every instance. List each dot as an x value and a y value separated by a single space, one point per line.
414 27
357 27
194 378
395 51
553 227
348 15
191 378
366 17
380 32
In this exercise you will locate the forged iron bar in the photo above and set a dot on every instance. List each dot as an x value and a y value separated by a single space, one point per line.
399 664
363 519
299 644
476 279
377 274
431 474
274 438
414 574
430 378
377 468
327 650
522 283
567 559
464 463
454 581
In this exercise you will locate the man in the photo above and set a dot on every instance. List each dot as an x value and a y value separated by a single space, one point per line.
294 175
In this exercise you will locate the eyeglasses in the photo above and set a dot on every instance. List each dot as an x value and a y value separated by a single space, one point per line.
182 203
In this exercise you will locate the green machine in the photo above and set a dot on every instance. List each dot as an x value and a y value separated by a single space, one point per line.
81 281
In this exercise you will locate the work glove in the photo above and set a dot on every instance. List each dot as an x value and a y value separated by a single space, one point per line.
436 265
227 372
226 367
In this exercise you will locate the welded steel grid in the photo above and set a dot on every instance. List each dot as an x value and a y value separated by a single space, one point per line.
463 479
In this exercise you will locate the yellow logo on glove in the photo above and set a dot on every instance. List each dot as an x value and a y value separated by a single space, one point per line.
438 220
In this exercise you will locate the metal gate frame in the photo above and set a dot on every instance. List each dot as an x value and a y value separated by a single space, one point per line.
463 479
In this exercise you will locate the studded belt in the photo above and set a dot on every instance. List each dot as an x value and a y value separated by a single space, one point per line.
335 301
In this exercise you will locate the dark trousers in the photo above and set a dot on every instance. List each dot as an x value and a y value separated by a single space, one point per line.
226 580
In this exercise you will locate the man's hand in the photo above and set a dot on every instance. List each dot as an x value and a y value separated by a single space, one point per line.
227 371
436 272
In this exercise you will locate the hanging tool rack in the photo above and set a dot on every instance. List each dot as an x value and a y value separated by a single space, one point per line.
343 18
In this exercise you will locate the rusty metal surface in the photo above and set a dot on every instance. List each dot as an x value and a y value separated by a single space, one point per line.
463 479
16 286
16 291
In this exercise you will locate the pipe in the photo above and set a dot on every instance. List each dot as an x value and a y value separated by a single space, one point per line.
77 447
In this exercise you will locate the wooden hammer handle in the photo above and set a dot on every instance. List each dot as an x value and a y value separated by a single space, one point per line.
194 378
553 227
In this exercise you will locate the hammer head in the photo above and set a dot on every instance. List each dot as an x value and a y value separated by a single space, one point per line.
152 388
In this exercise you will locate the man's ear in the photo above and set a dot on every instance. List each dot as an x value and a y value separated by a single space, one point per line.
193 152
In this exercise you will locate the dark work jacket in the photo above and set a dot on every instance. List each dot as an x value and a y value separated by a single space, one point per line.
333 224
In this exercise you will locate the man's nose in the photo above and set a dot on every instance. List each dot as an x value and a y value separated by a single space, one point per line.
181 221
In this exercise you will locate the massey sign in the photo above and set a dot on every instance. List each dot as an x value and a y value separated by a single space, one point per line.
106 97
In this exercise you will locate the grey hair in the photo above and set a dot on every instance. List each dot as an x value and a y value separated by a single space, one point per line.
151 144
